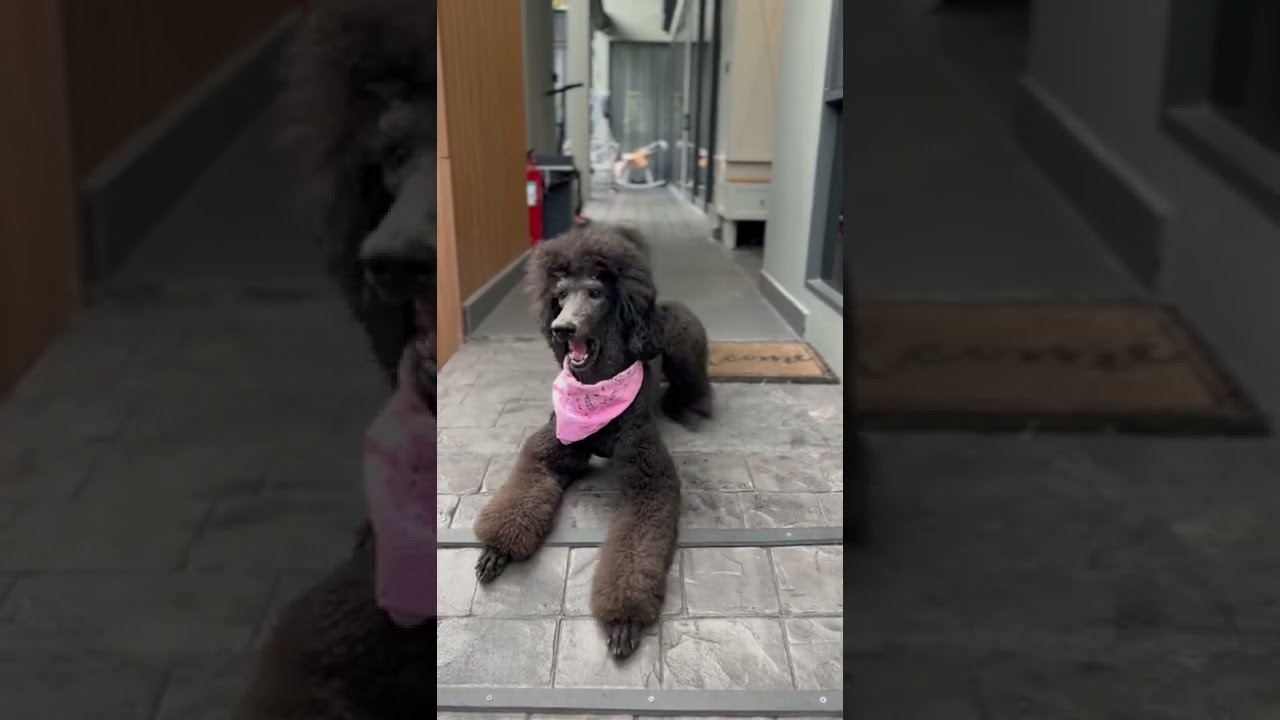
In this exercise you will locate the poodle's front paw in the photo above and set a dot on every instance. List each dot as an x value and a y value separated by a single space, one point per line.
491 564
623 637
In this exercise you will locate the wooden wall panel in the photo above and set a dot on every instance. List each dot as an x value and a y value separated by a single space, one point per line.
481 64
128 60
448 297
39 280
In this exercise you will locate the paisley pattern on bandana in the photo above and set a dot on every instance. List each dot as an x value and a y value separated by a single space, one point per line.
582 410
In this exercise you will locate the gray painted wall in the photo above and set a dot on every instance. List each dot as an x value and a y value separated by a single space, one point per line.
1104 61
806 33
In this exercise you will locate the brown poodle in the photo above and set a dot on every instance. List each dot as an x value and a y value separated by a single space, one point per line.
598 312
359 108
361 88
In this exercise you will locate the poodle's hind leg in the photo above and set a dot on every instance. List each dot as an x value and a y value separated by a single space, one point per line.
688 386
518 519
631 576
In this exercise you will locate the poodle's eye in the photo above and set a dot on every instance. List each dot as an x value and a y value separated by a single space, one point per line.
594 294
560 296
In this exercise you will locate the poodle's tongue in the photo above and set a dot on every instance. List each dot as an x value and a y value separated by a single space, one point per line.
577 350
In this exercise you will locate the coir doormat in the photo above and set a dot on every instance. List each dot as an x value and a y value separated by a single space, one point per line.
783 362
1074 367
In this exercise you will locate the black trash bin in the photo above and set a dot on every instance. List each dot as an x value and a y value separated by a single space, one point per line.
561 199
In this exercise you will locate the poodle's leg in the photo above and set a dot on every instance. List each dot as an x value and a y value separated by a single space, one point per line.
519 517
631 576
688 385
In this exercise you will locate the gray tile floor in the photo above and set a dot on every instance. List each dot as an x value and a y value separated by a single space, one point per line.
720 285
1070 577
743 618
180 462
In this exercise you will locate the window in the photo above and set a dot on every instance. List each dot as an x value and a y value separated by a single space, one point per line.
1222 91
828 280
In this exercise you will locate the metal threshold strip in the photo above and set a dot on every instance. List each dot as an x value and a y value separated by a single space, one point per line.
689 537
606 701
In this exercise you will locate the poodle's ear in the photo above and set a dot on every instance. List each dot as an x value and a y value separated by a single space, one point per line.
539 279
638 312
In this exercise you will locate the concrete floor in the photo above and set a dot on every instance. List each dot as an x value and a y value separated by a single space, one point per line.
943 202
183 461
720 285
735 619
1028 578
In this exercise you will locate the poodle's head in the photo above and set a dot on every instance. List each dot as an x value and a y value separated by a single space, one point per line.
595 299
360 106
399 261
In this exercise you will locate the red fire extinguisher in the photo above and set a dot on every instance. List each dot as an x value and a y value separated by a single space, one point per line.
534 189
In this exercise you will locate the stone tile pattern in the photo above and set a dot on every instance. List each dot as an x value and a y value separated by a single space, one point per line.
732 620
163 482
765 462
181 461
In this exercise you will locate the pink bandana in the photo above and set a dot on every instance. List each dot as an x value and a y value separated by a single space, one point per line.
399 472
583 409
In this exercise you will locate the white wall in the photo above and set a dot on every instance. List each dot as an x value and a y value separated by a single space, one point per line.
1105 62
806 35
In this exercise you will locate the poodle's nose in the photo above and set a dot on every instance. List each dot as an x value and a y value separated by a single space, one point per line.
563 331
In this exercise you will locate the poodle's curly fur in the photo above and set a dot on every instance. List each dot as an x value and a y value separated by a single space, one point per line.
630 326
353 66
684 349
360 101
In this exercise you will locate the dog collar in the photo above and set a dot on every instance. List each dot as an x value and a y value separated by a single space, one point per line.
582 410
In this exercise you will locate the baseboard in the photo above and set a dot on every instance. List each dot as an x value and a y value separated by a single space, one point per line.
485 300
792 312
130 190
1128 216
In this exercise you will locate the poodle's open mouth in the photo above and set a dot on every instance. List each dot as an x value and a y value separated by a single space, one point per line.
581 353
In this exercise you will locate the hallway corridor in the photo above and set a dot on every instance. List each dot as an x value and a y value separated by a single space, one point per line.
736 618
720 285
186 458
945 203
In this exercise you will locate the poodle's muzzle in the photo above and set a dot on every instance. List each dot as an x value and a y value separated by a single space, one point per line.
582 306
399 259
